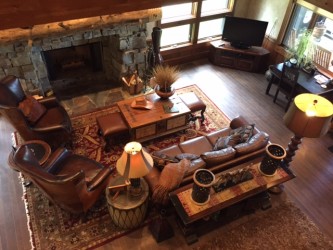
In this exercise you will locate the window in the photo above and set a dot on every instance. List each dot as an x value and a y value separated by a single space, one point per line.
318 21
191 23
175 35
210 28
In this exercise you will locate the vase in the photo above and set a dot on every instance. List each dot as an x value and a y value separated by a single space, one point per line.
203 180
272 159
156 57
164 94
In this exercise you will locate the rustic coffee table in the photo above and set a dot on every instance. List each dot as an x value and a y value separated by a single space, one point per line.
197 219
164 116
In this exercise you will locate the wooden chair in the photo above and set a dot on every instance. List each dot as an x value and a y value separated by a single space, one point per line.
323 57
287 84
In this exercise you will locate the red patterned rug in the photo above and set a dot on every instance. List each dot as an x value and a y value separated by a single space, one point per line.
52 228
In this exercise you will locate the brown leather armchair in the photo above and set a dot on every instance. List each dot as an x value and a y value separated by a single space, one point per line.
70 181
53 126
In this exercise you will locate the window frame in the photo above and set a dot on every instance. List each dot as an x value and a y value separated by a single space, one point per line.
194 21
317 11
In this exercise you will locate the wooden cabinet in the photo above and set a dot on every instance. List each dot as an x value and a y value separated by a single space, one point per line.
254 59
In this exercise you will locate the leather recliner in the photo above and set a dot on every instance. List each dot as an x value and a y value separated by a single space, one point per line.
70 181
54 126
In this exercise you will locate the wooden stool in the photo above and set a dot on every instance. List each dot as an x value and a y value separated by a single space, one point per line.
110 127
193 102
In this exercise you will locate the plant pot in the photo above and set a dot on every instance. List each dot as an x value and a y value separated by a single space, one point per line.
163 94
272 159
203 180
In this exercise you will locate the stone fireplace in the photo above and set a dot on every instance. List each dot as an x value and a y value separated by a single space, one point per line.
90 52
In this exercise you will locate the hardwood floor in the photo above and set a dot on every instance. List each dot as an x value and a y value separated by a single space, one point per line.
234 92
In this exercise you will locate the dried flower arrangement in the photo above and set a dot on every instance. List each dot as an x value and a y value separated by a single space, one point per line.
165 76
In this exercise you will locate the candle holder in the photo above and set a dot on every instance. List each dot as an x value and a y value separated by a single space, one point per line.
203 180
274 154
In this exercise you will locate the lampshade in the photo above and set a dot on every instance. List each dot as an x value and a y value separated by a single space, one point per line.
135 162
309 116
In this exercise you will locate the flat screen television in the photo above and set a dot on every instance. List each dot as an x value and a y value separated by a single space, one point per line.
243 33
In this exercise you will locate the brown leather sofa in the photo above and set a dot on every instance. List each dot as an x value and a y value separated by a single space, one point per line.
44 119
215 161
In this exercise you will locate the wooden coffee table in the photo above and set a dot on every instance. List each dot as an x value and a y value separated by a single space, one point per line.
147 124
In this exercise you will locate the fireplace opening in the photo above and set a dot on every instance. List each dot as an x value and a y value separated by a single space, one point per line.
76 70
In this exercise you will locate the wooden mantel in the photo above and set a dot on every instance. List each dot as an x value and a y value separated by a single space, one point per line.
61 28
27 13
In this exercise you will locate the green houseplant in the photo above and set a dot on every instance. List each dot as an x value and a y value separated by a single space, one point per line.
304 49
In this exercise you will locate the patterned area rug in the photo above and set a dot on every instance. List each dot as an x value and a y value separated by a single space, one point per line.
52 228
282 227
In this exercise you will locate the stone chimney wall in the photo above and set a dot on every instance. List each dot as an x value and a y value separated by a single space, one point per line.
124 48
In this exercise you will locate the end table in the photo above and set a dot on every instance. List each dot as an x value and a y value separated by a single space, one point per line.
127 211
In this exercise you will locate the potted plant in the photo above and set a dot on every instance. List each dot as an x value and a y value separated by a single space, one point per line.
304 49
164 76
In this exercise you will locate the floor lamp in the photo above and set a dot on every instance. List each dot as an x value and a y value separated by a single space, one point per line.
308 116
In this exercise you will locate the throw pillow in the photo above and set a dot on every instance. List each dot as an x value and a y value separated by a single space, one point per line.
160 159
219 156
187 156
32 109
227 141
170 178
245 132
256 142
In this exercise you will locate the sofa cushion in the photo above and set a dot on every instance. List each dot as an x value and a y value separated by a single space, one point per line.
171 151
170 178
256 142
196 145
213 136
245 132
32 109
195 164
219 156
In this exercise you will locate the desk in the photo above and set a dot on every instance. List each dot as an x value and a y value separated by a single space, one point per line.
307 83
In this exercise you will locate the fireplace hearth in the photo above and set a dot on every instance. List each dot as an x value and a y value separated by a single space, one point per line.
77 70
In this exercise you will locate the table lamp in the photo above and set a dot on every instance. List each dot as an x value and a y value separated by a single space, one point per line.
308 116
133 164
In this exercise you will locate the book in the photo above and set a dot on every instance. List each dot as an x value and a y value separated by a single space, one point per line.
170 109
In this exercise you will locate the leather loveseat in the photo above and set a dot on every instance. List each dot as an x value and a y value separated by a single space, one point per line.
200 151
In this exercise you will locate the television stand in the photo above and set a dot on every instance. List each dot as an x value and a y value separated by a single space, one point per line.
253 59
239 46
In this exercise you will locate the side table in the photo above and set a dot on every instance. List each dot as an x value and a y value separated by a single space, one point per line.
127 211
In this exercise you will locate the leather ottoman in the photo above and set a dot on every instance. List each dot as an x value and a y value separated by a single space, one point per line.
193 102
111 126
